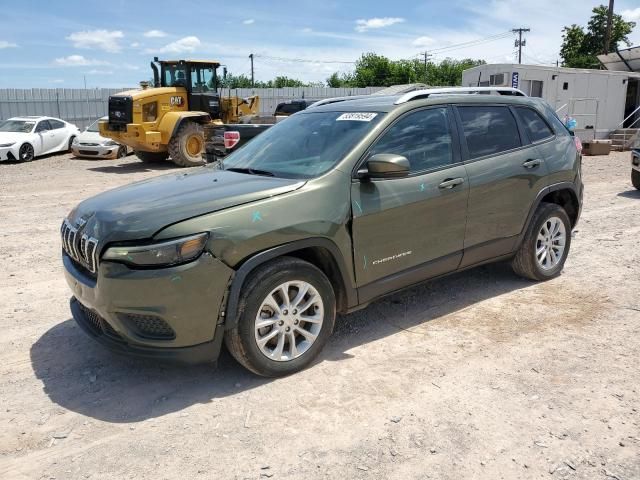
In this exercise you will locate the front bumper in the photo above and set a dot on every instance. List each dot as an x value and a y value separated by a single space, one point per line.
95 151
9 153
170 313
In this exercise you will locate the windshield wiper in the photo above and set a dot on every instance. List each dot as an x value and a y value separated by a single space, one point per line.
251 171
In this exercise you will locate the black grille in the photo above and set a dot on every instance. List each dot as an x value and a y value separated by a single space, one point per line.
120 110
98 324
82 249
148 326
88 152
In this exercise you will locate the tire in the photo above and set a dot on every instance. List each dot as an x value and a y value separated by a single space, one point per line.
26 152
536 242
187 145
151 157
122 152
71 139
635 179
263 284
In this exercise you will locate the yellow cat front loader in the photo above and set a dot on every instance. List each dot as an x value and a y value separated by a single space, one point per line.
168 119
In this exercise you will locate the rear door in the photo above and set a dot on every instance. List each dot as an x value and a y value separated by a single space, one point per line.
60 134
406 229
506 172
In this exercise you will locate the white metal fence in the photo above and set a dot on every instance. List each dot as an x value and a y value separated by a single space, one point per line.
81 107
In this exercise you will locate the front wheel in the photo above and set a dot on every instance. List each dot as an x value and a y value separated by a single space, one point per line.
635 179
187 145
26 152
546 244
122 152
286 314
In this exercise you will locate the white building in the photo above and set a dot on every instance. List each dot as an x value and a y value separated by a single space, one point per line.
600 100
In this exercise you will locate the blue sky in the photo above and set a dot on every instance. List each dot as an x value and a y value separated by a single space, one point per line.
59 43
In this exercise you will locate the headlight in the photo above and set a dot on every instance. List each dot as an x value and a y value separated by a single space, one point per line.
163 254
7 144
109 143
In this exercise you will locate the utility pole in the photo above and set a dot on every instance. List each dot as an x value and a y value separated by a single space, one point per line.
607 35
426 72
519 42
251 57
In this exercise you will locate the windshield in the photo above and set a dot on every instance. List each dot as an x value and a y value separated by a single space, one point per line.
305 145
20 126
93 127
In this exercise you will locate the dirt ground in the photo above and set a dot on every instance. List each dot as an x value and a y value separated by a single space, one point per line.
478 375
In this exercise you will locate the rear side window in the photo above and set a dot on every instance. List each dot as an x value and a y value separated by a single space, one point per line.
489 130
536 128
55 124
423 137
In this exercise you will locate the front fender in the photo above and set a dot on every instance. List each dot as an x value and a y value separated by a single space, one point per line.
171 122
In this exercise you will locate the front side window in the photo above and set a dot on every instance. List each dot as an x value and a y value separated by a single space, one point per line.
422 137
43 126
536 128
489 130
17 126
305 145
174 76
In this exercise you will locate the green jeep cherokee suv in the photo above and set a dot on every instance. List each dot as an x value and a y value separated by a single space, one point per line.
323 213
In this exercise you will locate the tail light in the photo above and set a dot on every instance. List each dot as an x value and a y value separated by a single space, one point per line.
578 144
231 139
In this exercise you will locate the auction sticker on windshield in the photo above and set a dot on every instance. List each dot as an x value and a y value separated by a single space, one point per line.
357 116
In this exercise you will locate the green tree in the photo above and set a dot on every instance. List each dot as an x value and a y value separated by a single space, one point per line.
580 47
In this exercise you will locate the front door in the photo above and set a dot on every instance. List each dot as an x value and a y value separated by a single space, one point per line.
506 172
203 94
408 229
46 138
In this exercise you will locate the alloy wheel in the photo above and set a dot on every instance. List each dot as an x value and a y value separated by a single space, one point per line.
550 243
289 320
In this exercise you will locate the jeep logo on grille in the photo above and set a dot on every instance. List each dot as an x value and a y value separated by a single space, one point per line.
81 248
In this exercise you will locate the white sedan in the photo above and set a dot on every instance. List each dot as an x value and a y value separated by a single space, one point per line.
24 138
90 144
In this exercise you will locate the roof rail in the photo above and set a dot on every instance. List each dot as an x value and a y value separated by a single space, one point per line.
327 101
407 97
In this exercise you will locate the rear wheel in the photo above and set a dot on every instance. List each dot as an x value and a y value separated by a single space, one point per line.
286 314
635 179
187 145
70 143
546 244
26 152
151 157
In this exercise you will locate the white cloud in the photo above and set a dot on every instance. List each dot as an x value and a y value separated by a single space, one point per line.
631 15
362 25
102 39
422 42
307 30
135 45
77 61
96 71
5 44
186 44
248 21
155 34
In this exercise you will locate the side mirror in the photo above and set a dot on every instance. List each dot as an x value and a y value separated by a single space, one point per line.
385 165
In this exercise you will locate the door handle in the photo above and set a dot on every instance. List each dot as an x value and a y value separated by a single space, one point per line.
532 163
451 182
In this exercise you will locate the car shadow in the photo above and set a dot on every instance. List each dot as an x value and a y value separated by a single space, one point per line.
630 194
83 377
132 167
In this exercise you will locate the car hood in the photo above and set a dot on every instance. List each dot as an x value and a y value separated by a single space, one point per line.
139 210
8 137
90 137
